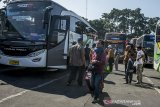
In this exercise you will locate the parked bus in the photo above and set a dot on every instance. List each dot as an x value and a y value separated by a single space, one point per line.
116 39
146 41
39 33
156 65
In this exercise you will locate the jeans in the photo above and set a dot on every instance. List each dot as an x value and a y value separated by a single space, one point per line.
96 81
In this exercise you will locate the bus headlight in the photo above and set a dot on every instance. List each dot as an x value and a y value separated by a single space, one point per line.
1 53
36 53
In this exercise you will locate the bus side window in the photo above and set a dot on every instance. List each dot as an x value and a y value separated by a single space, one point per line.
57 29
158 30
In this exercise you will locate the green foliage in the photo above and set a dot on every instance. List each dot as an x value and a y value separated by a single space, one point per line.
131 22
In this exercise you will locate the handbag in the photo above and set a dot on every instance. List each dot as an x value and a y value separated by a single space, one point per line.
88 75
92 67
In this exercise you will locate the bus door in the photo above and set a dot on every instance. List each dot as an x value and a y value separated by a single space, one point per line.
57 42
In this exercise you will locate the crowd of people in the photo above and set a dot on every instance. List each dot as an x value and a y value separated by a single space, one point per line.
90 63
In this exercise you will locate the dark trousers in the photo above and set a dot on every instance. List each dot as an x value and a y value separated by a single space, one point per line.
110 63
74 70
125 68
129 76
96 82
110 66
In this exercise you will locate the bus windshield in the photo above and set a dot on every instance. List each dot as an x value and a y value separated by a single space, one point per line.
26 19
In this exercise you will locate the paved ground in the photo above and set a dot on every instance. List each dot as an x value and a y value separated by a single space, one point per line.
29 88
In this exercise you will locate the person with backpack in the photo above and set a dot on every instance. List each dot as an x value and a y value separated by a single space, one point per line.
130 69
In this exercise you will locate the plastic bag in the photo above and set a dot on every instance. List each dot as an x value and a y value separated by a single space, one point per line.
106 69
135 64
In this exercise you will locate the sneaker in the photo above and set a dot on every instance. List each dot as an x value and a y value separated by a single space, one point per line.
95 101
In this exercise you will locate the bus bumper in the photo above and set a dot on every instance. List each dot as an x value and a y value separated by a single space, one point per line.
37 61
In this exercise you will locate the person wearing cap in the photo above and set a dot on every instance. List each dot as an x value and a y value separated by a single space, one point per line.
110 57
139 62
77 62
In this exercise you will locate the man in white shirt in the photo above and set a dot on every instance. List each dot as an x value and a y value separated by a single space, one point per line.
139 60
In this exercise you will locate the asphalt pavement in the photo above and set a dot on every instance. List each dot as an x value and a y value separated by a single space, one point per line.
24 88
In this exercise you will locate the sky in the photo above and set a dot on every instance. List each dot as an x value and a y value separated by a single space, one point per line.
95 8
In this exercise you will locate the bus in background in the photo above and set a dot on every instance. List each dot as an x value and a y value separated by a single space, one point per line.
39 34
146 41
114 39
118 39
156 65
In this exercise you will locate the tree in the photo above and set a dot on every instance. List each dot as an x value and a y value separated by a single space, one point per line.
99 26
132 22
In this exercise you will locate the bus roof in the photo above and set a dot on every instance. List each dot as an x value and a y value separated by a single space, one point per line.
71 13
115 33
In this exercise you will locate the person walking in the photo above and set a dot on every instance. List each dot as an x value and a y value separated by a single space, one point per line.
117 55
139 62
110 58
98 60
77 62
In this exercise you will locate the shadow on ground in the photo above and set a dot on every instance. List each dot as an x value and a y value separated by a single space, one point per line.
36 80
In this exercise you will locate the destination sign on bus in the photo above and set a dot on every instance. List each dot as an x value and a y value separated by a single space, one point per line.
115 41
114 38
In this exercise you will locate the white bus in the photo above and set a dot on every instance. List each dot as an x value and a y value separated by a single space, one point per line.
147 42
133 41
39 33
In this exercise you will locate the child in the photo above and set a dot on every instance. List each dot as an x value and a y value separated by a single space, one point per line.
130 69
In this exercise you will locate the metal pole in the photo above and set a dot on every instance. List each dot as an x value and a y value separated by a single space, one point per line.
86 8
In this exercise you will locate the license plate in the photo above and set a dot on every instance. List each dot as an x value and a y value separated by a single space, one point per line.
14 62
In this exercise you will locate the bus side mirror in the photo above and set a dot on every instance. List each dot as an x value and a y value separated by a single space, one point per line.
46 15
